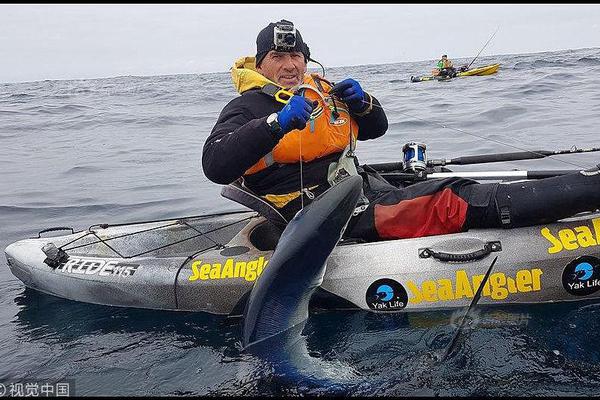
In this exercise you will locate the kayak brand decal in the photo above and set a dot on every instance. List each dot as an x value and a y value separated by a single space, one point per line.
581 277
386 295
498 286
572 239
249 270
84 266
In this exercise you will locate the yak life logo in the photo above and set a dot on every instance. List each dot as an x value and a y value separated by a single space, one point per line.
386 295
581 277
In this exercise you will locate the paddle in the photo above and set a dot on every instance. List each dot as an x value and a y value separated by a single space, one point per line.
484 46
482 175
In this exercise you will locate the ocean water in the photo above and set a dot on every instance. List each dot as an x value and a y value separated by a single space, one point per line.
124 149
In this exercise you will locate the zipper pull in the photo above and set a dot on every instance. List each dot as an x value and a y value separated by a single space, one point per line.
308 193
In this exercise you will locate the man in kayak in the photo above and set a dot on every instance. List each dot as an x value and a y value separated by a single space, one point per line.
261 136
285 115
445 68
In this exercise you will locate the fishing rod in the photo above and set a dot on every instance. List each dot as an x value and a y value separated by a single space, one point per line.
515 156
486 158
415 166
484 46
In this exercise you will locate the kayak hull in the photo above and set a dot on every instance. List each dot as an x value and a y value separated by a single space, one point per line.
213 261
481 71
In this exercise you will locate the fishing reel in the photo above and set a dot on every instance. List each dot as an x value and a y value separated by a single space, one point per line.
414 157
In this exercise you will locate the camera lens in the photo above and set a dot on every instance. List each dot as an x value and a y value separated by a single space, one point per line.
289 39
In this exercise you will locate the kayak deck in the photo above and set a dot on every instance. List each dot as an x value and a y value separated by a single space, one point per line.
209 263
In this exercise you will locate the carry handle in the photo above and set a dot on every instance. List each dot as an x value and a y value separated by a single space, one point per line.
488 247
58 228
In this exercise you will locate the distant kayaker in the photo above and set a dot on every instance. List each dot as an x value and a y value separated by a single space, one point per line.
445 68
261 135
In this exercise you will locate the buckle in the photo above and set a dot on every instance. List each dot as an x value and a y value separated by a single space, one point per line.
281 95
505 216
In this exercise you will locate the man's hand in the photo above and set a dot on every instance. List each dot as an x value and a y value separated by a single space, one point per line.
295 114
350 92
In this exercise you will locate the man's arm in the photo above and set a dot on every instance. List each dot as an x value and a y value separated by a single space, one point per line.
236 143
373 124
364 108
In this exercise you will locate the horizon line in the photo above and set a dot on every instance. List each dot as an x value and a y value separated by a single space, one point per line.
223 72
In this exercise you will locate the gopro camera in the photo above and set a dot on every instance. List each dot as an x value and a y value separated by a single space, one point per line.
284 36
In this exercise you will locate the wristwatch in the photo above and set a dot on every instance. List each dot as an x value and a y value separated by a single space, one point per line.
274 126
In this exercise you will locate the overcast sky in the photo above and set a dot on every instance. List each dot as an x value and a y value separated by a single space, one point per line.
88 41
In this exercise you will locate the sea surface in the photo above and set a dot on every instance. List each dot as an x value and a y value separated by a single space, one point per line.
114 150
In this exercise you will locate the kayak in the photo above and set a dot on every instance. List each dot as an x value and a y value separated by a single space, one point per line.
209 264
479 71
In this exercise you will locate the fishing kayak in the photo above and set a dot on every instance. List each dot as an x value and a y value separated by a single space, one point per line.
209 263
479 71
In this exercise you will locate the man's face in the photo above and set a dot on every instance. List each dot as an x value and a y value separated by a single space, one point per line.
284 68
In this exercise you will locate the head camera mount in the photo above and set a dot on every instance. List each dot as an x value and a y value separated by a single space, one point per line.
284 36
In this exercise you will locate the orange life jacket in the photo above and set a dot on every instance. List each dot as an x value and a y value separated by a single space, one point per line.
323 135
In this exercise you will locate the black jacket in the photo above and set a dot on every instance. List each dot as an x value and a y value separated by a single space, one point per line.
241 137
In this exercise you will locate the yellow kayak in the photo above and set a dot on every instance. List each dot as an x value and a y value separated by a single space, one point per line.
481 71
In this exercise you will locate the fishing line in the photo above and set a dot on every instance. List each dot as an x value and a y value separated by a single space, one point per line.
484 46
481 137
301 176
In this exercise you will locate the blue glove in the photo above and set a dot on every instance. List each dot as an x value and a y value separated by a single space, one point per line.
295 114
350 92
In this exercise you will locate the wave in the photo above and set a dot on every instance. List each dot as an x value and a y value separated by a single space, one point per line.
108 208
82 170
502 113
589 61
58 109
21 96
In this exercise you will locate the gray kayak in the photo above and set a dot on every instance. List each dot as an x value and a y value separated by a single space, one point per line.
209 263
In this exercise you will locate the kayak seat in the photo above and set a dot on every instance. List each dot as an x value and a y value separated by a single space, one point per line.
265 236
239 193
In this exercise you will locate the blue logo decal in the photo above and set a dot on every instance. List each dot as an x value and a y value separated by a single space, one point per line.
584 271
385 293
580 276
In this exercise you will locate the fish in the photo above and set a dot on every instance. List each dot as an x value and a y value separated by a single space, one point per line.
277 308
